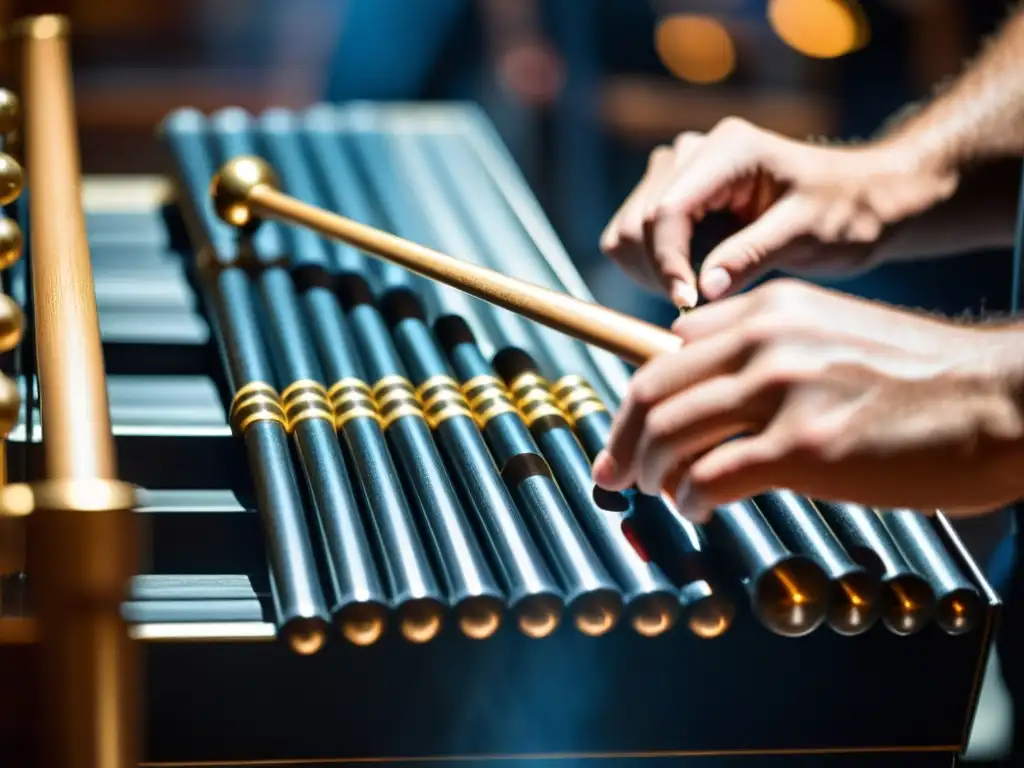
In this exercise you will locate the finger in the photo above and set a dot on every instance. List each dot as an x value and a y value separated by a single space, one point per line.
623 239
712 173
712 319
738 469
757 248
683 148
682 285
686 425
666 375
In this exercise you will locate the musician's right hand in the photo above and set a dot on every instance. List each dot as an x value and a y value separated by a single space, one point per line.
804 208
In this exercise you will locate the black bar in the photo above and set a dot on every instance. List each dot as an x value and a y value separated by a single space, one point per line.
469 579
907 602
414 592
650 599
959 607
359 600
300 609
592 596
472 589
533 595
676 544
789 592
853 606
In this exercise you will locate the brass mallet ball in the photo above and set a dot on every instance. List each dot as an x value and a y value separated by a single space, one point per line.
233 183
10 242
10 179
10 112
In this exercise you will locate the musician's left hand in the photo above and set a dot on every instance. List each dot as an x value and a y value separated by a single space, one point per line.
830 396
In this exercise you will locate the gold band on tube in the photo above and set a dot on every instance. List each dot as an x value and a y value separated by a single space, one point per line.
487 398
576 398
255 402
395 397
533 398
351 399
305 400
442 400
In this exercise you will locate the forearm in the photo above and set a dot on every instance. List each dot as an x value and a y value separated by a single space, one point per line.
979 116
982 215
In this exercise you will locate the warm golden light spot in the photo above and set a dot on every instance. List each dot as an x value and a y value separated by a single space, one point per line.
421 621
821 29
363 625
595 615
697 49
479 619
653 624
307 638
539 617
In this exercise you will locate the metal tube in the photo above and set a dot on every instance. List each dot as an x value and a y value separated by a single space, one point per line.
959 606
83 545
359 601
257 414
853 607
907 602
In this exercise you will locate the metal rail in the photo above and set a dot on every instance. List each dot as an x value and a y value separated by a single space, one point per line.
82 541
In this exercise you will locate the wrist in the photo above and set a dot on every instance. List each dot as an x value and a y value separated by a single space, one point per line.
903 179
999 363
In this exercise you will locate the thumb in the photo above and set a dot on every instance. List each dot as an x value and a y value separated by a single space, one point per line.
757 248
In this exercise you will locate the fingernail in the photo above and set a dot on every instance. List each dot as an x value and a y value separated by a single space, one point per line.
689 504
684 295
715 282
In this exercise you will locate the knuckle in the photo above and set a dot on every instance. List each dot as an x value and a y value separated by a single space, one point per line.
642 391
658 428
686 142
732 125
819 440
753 333
659 155
774 368
663 210
609 242
631 231
782 294
865 229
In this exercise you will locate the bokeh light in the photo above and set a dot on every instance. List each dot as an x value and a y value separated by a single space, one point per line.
821 29
697 49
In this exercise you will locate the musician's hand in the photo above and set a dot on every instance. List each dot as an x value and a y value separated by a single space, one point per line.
830 396
806 208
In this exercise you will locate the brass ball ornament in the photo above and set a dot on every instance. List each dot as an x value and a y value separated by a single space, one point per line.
11 179
10 405
10 112
232 185
12 323
11 242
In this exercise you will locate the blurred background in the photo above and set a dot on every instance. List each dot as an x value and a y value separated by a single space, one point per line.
580 90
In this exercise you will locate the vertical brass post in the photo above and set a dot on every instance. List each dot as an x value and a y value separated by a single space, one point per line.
12 326
82 542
